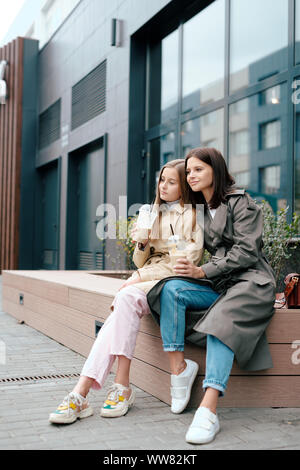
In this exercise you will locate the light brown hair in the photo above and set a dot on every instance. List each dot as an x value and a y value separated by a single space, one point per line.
179 165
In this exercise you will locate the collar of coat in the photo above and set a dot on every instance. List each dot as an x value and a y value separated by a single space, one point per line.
176 207
218 224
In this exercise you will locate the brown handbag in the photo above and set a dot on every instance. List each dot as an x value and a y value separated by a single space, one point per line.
290 298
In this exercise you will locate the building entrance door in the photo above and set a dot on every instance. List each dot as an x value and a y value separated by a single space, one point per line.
90 194
50 216
86 191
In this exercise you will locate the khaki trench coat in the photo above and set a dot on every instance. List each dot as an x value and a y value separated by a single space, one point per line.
153 262
240 272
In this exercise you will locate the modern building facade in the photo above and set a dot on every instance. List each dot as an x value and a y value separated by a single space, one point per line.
125 85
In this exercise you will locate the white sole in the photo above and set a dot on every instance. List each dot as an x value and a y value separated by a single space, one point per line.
188 392
61 419
117 413
202 441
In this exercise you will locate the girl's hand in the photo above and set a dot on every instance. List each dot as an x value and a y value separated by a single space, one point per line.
186 268
133 233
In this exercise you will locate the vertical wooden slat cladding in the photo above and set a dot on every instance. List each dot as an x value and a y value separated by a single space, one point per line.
10 155
6 188
9 108
1 165
18 151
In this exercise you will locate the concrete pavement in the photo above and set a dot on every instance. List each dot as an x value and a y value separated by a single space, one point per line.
149 425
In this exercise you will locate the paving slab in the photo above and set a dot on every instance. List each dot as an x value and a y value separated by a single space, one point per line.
149 425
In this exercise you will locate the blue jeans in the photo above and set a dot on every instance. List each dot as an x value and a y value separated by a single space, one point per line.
176 297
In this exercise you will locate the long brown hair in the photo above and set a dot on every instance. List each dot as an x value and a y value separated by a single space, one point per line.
179 165
223 182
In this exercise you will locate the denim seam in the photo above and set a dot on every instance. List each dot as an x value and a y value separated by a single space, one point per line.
175 319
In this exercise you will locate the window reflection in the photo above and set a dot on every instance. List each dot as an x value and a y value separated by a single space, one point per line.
270 134
270 179
257 146
206 131
167 151
270 96
258 42
297 158
239 142
169 76
297 31
203 57
162 150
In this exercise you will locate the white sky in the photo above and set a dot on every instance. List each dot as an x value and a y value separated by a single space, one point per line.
8 11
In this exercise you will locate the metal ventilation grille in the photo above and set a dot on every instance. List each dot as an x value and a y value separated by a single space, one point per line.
86 260
49 125
99 261
38 377
50 257
89 96
89 260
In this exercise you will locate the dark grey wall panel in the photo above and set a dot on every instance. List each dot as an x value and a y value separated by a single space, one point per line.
29 148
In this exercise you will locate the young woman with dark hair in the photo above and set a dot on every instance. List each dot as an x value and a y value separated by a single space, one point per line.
233 293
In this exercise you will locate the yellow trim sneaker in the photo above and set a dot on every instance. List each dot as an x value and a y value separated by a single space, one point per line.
73 406
116 404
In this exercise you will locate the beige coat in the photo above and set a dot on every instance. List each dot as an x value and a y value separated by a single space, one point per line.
154 262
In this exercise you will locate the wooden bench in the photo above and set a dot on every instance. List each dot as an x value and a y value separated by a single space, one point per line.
68 305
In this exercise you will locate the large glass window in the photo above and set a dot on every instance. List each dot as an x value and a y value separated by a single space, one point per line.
297 31
206 131
188 93
257 146
258 40
296 100
203 57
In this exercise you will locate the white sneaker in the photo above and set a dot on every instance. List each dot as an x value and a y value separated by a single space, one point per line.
181 386
70 409
116 404
204 427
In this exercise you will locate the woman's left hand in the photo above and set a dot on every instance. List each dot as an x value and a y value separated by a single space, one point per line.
186 268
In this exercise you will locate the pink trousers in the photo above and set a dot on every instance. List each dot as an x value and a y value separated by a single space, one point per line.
117 337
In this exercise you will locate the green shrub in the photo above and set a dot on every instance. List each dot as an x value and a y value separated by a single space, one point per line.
277 235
